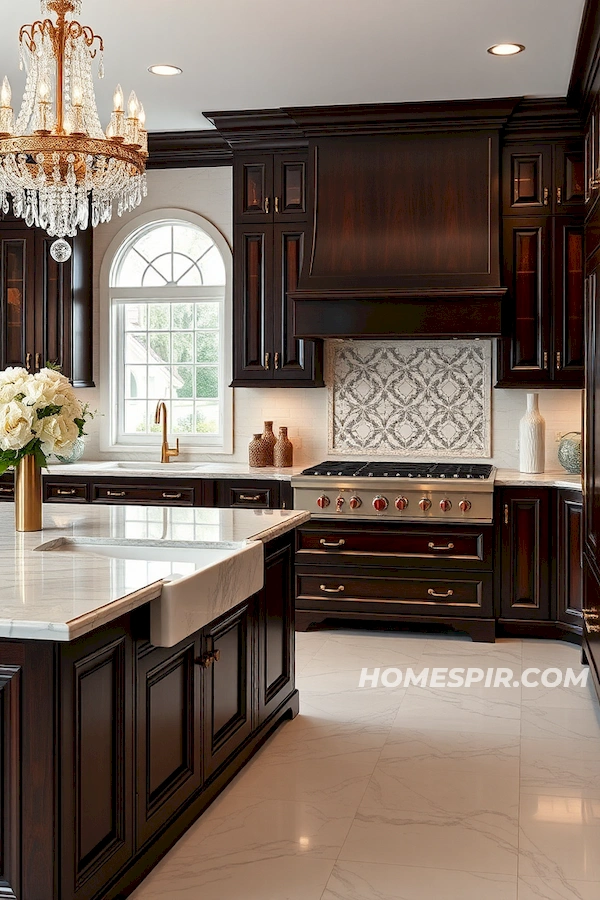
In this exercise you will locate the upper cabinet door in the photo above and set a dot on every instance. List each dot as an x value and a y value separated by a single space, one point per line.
253 311
527 180
17 291
289 203
253 188
569 340
525 357
569 179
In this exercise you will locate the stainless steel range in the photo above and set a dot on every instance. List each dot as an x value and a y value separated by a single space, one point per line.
412 492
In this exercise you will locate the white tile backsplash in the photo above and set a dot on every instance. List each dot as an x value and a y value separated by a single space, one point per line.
304 410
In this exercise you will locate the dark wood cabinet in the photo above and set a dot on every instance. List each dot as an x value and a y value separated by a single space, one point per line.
168 730
568 557
270 187
227 659
96 761
543 264
267 262
230 493
275 604
45 306
524 517
592 415
527 180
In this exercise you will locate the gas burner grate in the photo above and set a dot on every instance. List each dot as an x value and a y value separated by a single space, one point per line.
344 469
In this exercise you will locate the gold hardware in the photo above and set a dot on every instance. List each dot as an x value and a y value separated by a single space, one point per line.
590 616
28 495
558 359
7 490
28 362
208 659
546 195
432 593
432 546
255 498
167 496
276 204
277 358
267 360
116 493
559 195
545 359
337 590
38 360
63 493
166 451
331 545
267 205
506 513
593 629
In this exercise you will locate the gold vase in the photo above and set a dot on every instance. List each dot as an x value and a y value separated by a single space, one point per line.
28 495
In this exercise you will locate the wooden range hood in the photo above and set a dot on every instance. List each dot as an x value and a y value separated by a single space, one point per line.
404 235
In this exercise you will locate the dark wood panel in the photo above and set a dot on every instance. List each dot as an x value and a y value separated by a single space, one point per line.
247 494
160 495
569 165
169 761
276 628
290 187
10 780
253 188
592 417
569 547
253 269
569 316
525 553
527 179
66 491
404 211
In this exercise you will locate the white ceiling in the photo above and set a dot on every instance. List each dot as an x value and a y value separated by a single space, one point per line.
247 54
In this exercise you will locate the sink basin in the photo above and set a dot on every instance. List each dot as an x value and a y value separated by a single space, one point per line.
200 581
155 466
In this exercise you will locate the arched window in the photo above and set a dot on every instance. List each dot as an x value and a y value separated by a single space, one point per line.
170 333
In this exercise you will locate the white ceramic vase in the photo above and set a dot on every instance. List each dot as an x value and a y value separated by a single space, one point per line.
532 428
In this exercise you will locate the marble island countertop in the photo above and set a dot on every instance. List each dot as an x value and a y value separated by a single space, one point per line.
554 478
60 596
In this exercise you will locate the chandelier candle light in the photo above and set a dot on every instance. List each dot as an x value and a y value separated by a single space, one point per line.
57 165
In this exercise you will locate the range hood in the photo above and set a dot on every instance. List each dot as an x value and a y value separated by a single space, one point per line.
404 236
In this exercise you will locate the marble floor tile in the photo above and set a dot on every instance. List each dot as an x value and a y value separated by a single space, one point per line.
549 722
551 653
312 738
352 652
572 697
377 708
564 767
479 841
457 712
367 881
504 652
559 837
280 878
557 889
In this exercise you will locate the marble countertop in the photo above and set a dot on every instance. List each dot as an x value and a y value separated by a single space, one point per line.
182 470
556 478
61 596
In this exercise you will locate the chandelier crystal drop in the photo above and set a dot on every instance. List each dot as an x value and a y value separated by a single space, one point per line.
58 168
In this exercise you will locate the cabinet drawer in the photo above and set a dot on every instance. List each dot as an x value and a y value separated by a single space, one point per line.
65 492
148 496
451 548
235 494
417 591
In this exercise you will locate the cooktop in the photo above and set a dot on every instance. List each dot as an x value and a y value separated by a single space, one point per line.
357 469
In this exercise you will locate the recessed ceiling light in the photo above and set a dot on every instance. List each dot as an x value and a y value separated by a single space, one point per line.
505 49
165 70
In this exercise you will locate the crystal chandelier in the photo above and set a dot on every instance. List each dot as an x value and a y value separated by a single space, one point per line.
57 165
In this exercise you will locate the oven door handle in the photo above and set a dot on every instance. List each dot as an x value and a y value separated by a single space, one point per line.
332 545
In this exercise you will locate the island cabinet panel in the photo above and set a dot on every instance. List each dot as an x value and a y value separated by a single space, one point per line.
525 537
568 557
169 752
10 762
276 629
96 761
226 661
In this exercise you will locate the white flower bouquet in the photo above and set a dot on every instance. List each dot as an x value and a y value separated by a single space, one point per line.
40 416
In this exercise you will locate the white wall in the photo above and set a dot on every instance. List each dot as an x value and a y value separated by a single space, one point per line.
208 192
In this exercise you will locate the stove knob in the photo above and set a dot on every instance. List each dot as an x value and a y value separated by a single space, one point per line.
425 504
322 502
445 505
339 503
401 503
355 502
464 505
380 504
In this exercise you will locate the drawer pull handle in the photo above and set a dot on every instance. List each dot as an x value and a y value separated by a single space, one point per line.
254 498
62 492
207 660
7 490
116 493
168 496
332 545
433 546
337 590
433 593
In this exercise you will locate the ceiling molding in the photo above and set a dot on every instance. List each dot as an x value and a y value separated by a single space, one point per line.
587 57
548 119
256 128
187 149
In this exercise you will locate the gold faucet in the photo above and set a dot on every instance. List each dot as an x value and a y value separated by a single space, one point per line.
167 452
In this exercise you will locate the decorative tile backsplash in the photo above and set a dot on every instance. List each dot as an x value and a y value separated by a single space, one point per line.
410 398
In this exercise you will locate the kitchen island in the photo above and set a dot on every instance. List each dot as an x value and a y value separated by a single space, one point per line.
111 744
